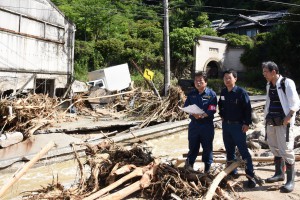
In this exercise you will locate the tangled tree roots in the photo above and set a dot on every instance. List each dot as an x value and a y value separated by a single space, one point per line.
115 173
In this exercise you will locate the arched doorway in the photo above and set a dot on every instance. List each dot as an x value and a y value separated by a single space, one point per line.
212 69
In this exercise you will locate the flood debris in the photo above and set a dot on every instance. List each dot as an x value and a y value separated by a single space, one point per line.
28 114
112 172
154 109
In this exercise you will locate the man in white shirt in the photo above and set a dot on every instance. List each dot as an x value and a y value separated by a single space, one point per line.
282 103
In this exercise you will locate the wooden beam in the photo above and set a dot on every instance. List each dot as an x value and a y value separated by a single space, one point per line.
26 167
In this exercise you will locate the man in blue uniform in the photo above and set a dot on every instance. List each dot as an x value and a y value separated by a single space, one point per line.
235 111
201 128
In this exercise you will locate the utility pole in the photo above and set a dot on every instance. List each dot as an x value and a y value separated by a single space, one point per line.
166 48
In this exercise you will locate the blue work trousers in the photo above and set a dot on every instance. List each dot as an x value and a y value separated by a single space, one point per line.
201 134
234 136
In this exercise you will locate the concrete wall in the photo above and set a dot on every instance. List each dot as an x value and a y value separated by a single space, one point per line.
215 49
232 59
35 37
209 49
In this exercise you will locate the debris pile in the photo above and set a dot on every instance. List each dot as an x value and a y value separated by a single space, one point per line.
26 115
154 109
117 173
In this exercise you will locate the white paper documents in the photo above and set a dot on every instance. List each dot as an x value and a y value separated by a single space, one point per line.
192 109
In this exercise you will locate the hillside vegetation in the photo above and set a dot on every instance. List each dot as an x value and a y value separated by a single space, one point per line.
112 32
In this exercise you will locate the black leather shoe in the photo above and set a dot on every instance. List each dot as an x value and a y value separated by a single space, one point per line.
251 183
234 175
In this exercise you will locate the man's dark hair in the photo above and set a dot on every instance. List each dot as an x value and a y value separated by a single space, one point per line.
270 65
230 71
203 74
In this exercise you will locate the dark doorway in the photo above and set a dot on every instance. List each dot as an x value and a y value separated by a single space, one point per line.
212 69
44 86
6 93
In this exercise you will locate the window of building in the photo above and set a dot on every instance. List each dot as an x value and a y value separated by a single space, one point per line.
211 49
251 32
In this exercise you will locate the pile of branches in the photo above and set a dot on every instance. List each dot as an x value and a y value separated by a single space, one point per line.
36 110
28 114
25 114
149 108
115 173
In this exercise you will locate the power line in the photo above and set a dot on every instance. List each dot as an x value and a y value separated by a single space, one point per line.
221 14
247 10
119 11
289 21
239 9
278 2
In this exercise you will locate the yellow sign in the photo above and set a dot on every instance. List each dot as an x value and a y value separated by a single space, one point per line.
148 74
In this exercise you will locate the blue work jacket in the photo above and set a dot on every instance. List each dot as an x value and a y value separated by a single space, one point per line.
235 105
207 101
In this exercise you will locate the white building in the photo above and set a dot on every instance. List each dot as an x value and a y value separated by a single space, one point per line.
36 47
213 55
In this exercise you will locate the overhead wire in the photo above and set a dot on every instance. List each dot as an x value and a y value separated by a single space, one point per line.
279 2
237 9
119 11
247 10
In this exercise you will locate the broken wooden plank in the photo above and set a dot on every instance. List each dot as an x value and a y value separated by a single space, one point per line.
212 188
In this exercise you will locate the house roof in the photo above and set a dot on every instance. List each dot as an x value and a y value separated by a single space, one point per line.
212 38
267 19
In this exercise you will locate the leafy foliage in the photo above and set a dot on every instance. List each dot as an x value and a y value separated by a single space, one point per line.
112 32
236 40
182 41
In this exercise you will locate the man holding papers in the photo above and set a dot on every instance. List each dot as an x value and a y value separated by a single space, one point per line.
201 128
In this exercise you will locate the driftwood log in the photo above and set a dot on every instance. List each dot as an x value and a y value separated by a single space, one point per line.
135 173
146 172
138 185
212 188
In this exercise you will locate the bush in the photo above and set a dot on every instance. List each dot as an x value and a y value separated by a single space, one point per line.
158 80
255 79
216 85
250 84
236 40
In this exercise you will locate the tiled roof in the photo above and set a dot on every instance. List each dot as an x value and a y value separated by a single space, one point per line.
257 19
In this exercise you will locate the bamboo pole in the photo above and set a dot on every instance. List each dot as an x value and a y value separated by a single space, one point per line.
26 167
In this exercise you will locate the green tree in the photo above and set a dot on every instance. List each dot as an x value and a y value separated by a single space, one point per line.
182 41
84 59
236 40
